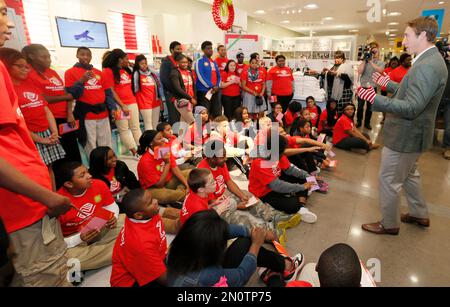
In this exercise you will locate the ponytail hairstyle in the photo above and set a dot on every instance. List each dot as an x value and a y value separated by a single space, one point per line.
112 62
146 140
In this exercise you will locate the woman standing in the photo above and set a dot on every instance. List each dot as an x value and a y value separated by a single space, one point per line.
280 82
117 76
51 87
231 89
183 89
254 85
146 87
339 81
38 117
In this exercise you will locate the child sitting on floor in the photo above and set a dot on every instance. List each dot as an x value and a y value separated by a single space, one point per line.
279 183
158 170
226 188
104 166
91 199
183 156
314 110
140 250
293 113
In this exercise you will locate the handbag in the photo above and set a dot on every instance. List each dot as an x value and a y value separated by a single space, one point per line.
259 101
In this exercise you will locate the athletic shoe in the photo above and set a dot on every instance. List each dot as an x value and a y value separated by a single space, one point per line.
266 274
307 216
286 221
299 263
323 187
281 236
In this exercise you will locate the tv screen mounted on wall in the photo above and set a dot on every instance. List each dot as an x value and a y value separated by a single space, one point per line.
82 33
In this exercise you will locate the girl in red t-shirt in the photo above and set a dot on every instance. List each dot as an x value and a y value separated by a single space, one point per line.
118 78
328 118
314 110
346 136
52 88
40 120
231 89
254 85
146 87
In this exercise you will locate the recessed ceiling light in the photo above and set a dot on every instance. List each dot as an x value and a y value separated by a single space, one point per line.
441 2
393 35
299 11
285 21
311 6
393 24
353 31
287 12
328 18
339 26
394 14
260 12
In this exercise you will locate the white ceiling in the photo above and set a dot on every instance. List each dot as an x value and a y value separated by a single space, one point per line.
347 15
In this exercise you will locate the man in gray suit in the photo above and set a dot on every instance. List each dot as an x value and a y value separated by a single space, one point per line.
409 127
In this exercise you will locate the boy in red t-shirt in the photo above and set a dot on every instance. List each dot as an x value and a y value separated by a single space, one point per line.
87 86
139 256
92 225
181 155
245 201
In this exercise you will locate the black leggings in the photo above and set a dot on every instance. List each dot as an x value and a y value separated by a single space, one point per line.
266 259
214 107
304 161
353 143
230 104
284 101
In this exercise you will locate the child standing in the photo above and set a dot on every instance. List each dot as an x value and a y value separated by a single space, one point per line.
254 86
87 86
140 250
90 198
40 120
148 92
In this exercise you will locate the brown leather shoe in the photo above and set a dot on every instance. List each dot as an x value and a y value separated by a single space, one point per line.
377 228
406 218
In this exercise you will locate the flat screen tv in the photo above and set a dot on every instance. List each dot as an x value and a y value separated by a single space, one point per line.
82 33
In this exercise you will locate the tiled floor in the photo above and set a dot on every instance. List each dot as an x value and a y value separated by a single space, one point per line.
417 257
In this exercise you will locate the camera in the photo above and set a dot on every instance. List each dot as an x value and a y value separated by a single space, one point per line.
367 53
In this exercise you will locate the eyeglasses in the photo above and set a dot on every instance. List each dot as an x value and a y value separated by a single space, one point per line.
21 66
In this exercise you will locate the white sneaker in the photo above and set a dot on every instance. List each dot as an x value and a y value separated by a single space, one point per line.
307 216
299 263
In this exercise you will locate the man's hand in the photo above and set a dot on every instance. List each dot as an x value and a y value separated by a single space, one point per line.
368 94
87 76
90 236
57 205
71 120
111 223
381 79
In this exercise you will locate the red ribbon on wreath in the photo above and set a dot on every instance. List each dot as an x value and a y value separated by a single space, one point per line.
223 8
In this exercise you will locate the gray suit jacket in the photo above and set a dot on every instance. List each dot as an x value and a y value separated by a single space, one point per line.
411 112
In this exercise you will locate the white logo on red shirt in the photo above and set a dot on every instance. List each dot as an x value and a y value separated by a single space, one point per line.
276 170
124 79
220 181
86 211
162 233
55 81
92 81
19 113
32 97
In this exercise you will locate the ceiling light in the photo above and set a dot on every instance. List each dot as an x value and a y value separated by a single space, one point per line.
293 11
393 24
299 11
260 12
393 30
285 21
353 31
384 11
311 6
328 18
393 35
394 14
287 12
441 2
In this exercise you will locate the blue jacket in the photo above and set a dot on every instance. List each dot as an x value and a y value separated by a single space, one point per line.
204 71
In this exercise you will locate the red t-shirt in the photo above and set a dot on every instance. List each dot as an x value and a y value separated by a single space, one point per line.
387 71
139 253
193 135
50 84
263 172
192 204
221 176
33 106
123 88
175 146
256 85
188 82
213 73
282 79
94 89
289 117
343 124
398 74
222 63
292 141
234 89
150 169
147 97
19 150
240 68
314 111
95 198
115 186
